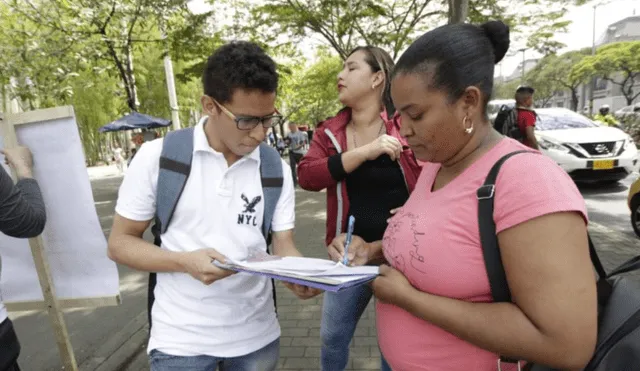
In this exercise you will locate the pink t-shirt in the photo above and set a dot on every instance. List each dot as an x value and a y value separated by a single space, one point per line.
435 242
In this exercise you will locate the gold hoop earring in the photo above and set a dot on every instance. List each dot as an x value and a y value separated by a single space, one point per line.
469 129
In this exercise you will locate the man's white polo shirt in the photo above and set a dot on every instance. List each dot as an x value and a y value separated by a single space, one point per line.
221 207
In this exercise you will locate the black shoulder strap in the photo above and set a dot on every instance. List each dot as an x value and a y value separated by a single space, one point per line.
489 240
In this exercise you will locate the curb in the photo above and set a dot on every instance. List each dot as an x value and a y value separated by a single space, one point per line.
117 351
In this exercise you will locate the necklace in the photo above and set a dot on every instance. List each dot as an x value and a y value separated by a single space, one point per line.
353 129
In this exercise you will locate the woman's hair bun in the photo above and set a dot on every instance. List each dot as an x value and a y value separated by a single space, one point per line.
498 34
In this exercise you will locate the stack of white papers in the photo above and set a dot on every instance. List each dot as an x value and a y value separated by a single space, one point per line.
320 273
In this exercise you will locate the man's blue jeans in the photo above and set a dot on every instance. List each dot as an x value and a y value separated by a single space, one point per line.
265 359
341 312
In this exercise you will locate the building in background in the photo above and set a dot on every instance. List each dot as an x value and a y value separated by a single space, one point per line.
605 92
529 64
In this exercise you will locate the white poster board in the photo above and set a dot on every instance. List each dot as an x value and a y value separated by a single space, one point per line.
74 244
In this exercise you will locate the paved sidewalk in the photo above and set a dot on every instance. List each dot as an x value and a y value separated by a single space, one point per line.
114 338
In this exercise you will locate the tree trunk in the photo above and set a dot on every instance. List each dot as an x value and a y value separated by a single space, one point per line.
133 96
628 94
574 99
458 11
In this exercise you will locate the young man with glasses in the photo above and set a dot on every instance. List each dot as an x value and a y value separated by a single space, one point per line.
203 316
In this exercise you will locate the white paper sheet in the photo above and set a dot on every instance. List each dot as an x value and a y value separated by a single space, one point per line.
307 267
75 244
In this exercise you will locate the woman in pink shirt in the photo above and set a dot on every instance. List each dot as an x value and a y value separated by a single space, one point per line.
435 309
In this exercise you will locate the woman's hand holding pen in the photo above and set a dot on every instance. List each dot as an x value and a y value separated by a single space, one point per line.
358 254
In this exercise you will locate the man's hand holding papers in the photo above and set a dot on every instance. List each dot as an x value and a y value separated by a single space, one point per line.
315 273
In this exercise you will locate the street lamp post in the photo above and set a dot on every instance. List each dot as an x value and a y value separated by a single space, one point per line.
171 86
523 64
593 52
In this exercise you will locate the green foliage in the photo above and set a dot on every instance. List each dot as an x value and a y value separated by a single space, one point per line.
111 30
618 63
554 73
96 102
152 87
344 24
534 22
545 89
505 90
394 24
309 95
40 66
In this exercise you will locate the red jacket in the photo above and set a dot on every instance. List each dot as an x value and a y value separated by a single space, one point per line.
318 169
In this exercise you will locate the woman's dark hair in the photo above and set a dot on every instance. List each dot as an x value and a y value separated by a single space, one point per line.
456 56
379 60
238 65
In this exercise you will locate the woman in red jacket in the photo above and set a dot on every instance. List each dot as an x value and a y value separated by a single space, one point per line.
368 170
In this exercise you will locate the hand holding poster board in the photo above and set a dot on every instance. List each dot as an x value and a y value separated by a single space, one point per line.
67 266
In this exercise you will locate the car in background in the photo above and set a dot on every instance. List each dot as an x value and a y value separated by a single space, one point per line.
586 150
626 112
633 200
493 107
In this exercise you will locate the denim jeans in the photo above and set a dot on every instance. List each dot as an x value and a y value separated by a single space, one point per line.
265 359
341 312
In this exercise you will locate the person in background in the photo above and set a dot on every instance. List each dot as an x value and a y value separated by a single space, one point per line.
271 139
435 308
149 135
604 116
22 215
298 141
360 158
133 154
526 116
280 145
118 157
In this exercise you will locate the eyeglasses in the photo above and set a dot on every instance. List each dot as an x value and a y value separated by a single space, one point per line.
250 122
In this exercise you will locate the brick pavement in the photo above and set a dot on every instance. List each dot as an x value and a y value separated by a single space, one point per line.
300 320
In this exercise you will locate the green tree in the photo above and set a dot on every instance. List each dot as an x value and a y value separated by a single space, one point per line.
618 63
309 95
36 67
152 87
96 102
393 24
554 73
505 90
344 24
111 30
533 22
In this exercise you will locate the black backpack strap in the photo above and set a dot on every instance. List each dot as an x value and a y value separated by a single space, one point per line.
489 240
597 264
491 250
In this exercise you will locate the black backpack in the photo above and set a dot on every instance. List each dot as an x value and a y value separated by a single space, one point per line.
506 123
618 344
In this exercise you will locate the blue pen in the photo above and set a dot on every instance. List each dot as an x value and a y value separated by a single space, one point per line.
345 259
